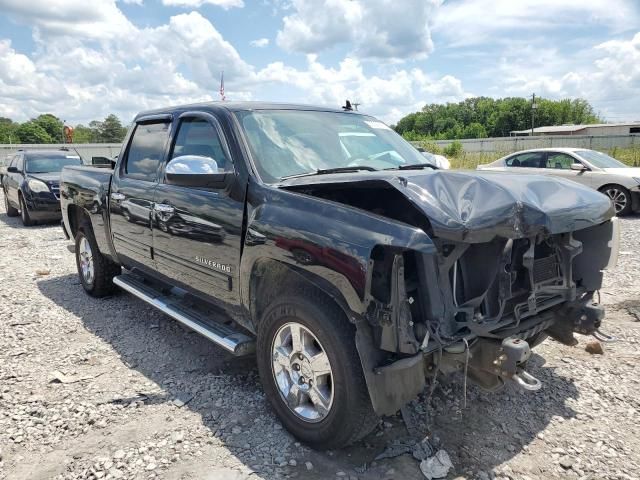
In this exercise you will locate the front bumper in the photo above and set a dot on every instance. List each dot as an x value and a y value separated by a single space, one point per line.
43 206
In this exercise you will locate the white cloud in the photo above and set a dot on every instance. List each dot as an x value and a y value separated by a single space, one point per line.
226 4
85 75
259 43
607 75
388 97
376 29
481 21
97 19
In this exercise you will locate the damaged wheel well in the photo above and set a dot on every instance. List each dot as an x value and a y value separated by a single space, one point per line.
269 278
77 216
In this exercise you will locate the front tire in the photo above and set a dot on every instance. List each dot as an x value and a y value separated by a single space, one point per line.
620 197
11 211
96 271
311 372
24 213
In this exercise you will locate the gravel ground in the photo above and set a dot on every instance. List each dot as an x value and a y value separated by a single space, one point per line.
113 389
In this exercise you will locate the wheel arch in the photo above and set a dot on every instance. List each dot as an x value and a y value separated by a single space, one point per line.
77 216
612 184
270 278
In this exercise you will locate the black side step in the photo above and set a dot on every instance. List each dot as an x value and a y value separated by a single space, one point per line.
231 340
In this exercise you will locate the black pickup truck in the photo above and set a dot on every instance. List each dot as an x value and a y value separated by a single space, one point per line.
320 240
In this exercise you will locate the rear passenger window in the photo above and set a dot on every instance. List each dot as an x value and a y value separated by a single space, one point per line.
527 160
146 151
198 137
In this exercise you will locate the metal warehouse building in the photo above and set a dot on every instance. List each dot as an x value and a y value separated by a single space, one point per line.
592 130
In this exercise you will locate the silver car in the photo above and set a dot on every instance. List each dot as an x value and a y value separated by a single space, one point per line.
618 181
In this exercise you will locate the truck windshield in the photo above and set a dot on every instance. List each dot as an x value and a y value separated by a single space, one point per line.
51 163
285 143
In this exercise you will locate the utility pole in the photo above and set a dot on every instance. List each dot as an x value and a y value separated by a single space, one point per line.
355 105
533 112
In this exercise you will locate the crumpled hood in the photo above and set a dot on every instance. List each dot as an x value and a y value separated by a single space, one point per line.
476 206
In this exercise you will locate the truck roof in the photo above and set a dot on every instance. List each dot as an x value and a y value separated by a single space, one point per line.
238 106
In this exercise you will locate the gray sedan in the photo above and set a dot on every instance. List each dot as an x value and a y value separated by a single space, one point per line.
597 170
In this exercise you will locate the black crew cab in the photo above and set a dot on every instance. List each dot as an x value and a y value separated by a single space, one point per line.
31 184
320 240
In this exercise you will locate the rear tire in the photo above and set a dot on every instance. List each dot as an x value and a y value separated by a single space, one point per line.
96 271
24 213
346 414
620 197
11 211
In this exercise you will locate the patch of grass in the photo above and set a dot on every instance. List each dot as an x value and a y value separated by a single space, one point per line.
470 160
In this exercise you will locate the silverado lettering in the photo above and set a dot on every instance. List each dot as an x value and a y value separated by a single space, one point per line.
212 264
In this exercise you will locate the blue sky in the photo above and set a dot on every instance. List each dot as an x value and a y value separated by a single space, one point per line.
82 60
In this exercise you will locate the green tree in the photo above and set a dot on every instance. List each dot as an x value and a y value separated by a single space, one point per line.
480 117
111 130
8 131
474 130
31 132
82 134
52 125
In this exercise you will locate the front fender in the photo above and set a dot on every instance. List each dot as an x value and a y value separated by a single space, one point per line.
328 242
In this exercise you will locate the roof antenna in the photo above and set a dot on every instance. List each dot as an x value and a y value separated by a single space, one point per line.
347 106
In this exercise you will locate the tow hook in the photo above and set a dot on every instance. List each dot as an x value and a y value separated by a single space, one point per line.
603 337
492 363
514 353
527 381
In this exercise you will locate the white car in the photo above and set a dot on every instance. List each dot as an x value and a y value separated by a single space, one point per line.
597 170
439 161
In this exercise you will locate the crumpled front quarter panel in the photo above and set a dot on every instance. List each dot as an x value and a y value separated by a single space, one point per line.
328 240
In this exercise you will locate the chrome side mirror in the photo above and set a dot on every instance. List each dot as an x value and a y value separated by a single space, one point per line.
192 165
196 171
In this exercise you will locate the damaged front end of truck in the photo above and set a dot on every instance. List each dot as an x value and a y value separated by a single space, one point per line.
516 259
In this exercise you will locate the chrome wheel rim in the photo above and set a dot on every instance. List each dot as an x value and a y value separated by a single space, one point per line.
618 198
302 372
85 257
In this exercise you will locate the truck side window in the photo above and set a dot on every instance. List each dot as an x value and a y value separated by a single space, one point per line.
198 137
146 151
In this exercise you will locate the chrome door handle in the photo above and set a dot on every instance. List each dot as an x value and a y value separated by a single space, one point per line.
117 196
163 208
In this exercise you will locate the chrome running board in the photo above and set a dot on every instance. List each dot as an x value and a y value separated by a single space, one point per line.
223 335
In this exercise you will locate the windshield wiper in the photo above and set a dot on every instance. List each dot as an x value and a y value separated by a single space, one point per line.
414 166
327 171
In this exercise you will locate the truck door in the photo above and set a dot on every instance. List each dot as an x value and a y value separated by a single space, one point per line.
132 189
198 230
